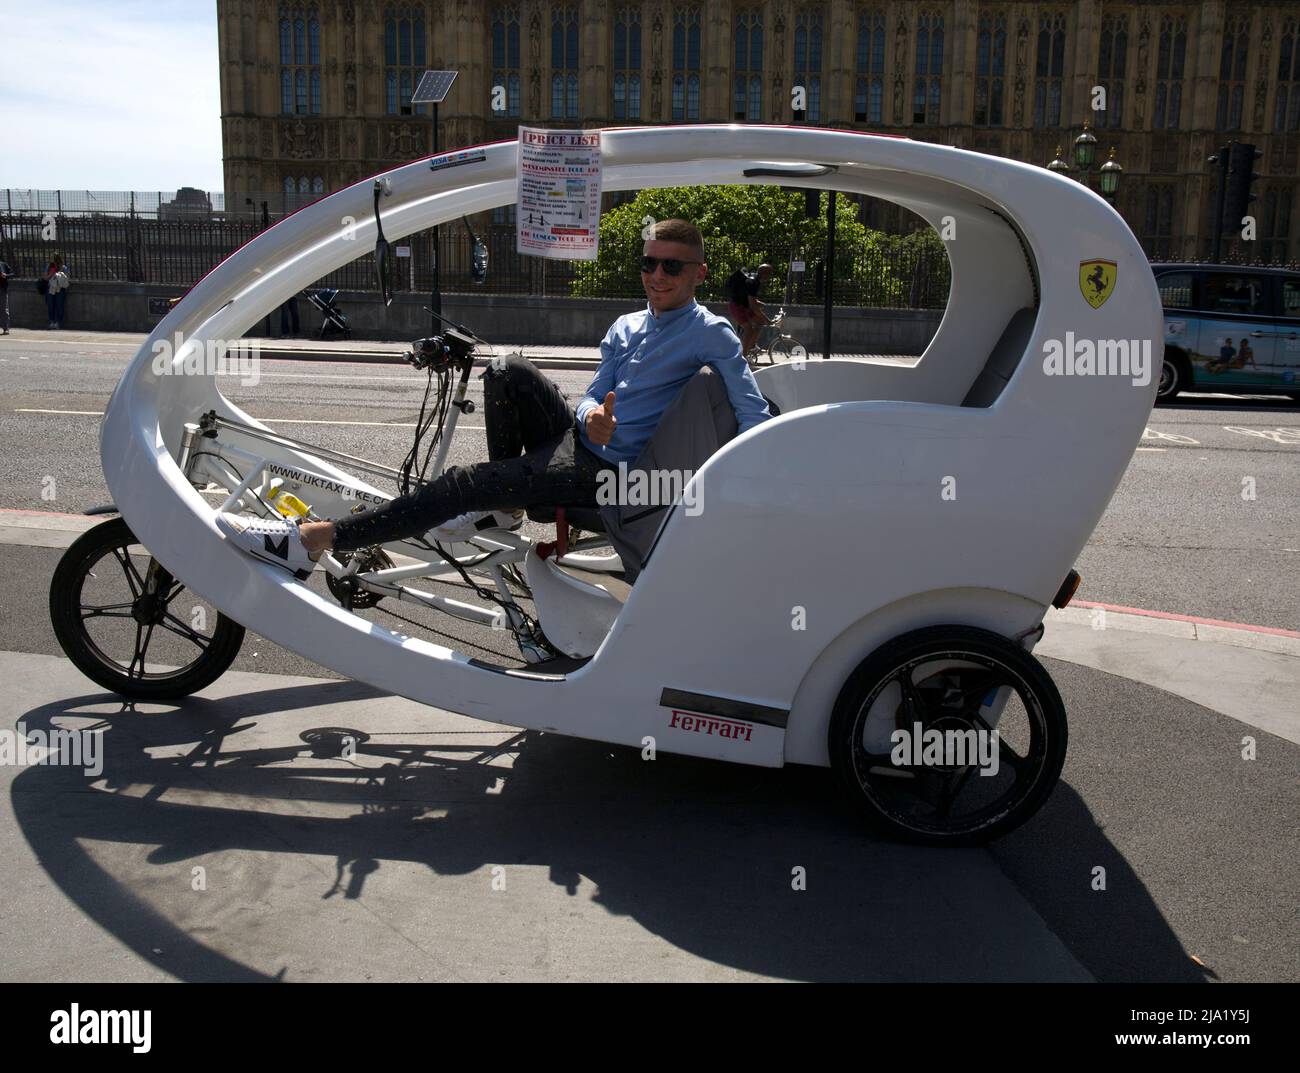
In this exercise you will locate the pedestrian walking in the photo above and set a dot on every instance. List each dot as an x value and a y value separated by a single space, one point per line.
288 314
6 274
56 289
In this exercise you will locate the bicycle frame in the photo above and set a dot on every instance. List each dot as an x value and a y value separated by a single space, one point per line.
252 481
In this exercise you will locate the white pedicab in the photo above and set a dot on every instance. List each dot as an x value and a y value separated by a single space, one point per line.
870 569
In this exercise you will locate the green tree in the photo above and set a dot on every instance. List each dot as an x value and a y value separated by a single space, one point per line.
747 225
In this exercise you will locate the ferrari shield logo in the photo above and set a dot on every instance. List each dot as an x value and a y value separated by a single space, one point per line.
1096 281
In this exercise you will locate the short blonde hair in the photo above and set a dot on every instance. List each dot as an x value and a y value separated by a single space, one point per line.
682 231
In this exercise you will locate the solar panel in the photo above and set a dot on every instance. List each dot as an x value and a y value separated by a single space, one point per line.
433 87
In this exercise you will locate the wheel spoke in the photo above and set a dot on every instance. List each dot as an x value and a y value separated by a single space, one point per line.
182 630
984 681
128 568
1010 756
107 611
913 703
1005 752
953 786
142 637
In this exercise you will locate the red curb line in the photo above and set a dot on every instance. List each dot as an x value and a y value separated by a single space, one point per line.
1275 631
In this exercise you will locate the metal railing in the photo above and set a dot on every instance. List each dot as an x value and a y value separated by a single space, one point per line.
171 240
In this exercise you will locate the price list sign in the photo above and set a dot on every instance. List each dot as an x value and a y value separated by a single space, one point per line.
557 211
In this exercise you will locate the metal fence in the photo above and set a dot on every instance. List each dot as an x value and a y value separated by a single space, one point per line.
188 203
172 238
176 253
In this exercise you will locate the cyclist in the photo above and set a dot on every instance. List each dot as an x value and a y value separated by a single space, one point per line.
745 308
647 357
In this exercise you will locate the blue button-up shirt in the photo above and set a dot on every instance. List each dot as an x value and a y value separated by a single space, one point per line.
646 360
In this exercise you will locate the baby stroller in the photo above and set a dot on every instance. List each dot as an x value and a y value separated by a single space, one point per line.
334 322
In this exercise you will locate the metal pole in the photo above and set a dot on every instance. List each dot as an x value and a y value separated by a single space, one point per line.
1224 153
828 276
435 297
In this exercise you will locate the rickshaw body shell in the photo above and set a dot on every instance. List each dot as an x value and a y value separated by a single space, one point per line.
874 504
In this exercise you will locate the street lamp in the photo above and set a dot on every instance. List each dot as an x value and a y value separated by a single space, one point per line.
1085 149
433 89
1085 155
1058 164
1111 172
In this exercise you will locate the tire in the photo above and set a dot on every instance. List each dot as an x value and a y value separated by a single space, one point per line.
1173 379
92 651
780 349
906 800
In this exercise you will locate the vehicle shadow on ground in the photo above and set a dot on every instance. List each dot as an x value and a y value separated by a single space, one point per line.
697 852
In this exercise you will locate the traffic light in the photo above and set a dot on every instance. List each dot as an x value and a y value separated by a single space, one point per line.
1241 174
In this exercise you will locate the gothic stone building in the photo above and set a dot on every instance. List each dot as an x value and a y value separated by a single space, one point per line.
315 93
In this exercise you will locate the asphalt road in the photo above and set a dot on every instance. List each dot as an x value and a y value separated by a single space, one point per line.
1179 535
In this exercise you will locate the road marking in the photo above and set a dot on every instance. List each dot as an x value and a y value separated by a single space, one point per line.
91 346
278 420
1287 437
1170 437
1150 448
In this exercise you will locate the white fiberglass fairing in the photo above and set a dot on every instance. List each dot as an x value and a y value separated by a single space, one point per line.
874 504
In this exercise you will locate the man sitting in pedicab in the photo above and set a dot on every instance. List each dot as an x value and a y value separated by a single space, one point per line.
540 450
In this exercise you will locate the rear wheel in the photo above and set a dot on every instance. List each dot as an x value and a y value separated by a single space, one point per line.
948 736
1173 378
120 618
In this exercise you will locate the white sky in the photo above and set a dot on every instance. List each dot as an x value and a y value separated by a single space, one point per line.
109 95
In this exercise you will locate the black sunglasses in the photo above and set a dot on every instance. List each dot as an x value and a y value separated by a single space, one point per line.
671 265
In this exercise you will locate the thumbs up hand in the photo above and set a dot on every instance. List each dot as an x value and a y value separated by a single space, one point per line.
601 422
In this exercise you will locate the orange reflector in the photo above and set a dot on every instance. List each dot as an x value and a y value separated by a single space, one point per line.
1067 590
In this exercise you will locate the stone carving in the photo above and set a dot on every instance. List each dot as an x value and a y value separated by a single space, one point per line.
535 93
657 37
900 65
298 141
404 141
1022 65
350 89
268 140
656 95
1265 64
1140 86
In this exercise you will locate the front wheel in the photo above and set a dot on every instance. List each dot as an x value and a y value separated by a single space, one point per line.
948 736
781 349
117 615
